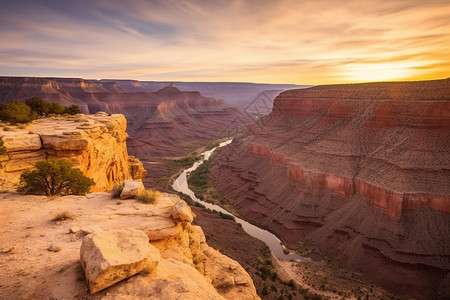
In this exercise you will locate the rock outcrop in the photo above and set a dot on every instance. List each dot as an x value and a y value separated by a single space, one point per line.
131 189
188 268
95 144
108 257
361 170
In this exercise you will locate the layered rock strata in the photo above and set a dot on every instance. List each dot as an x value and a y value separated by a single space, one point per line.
95 144
362 170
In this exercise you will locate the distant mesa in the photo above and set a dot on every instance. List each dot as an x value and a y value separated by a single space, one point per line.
168 89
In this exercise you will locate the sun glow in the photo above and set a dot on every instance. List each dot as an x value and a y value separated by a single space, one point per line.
381 71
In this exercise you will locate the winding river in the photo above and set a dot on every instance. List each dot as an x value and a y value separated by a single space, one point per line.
274 243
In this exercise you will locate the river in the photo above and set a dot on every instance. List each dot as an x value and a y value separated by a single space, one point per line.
180 184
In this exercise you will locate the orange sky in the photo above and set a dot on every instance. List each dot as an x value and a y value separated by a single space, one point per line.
284 41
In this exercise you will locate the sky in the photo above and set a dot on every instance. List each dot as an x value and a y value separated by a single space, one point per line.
265 41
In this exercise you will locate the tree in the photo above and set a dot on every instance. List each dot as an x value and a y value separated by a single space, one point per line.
55 108
55 177
38 105
16 112
72 110
264 291
44 108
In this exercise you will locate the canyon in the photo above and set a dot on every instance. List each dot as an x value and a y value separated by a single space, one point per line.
42 255
362 171
162 120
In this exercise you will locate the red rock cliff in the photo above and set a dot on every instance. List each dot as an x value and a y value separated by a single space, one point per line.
362 170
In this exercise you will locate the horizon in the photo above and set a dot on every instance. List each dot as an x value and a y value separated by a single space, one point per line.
309 43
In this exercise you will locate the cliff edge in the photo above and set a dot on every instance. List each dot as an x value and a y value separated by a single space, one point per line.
40 258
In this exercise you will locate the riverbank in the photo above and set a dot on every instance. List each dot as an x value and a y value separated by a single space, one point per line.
274 277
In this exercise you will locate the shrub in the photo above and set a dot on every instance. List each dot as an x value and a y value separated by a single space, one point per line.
43 108
55 178
264 291
72 110
2 148
117 190
62 216
148 196
17 112
38 105
56 108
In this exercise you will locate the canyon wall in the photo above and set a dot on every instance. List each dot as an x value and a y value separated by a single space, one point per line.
95 144
362 171
239 94
162 120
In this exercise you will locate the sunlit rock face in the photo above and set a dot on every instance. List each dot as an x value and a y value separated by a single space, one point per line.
362 170
95 144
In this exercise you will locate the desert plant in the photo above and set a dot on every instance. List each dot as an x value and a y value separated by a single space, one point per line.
2 148
148 196
38 105
16 112
44 108
117 190
55 177
62 216
72 110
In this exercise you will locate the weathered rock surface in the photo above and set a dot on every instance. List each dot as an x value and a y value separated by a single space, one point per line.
182 212
131 188
188 267
362 170
95 144
108 257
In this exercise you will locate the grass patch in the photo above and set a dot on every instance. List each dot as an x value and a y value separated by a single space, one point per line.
63 216
148 196
117 190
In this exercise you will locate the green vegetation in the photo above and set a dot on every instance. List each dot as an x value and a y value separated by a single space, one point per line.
62 216
187 161
43 108
2 148
200 183
72 110
117 190
54 178
17 112
148 196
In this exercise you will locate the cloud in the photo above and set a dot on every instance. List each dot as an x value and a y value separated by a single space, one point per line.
305 42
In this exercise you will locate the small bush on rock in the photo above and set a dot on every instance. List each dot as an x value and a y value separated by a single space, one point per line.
117 190
62 216
54 178
148 196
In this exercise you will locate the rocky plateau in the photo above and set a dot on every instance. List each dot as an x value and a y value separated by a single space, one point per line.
361 170
96 144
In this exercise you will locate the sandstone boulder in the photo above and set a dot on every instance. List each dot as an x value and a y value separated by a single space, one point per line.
181 212
131 188
108 257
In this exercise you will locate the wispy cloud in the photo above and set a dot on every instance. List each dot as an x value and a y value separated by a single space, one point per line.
286 41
